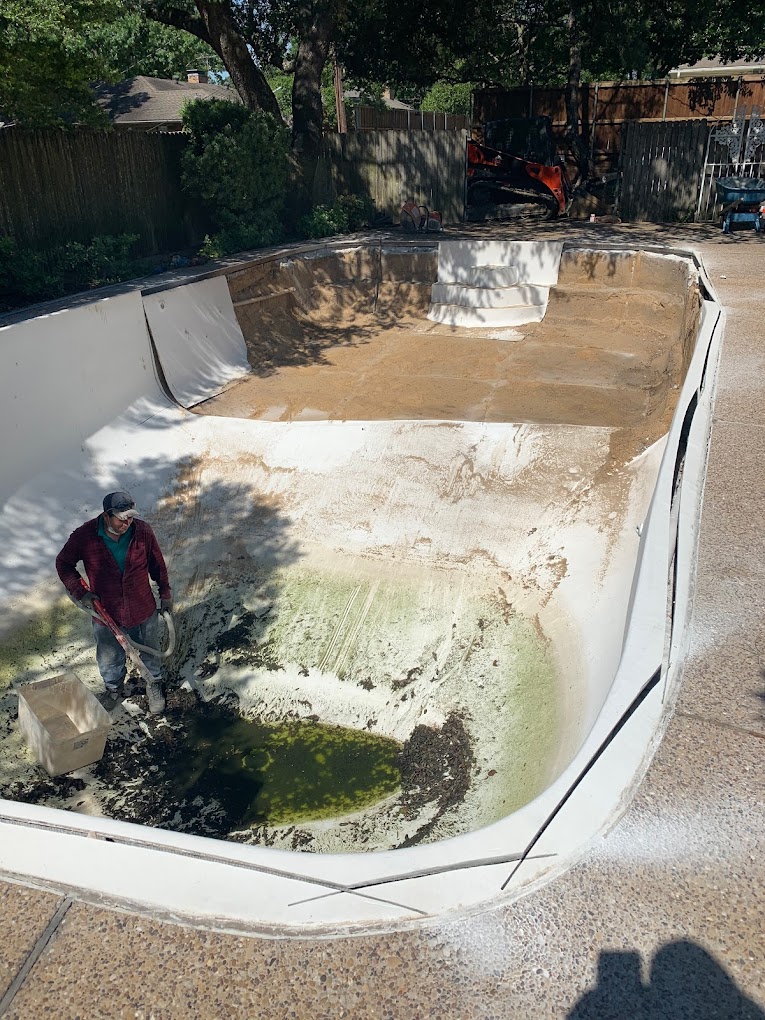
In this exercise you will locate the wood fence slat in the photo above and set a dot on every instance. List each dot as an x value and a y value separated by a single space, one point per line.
661 167
390 167
59 186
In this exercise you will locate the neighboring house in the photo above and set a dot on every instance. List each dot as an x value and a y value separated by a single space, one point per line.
714 68
353 97
155 104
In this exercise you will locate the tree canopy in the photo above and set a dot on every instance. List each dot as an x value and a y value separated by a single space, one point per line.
131 44
513 42
45 66
547 42
51 49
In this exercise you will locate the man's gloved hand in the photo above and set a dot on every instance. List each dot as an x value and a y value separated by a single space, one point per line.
88 601
165 605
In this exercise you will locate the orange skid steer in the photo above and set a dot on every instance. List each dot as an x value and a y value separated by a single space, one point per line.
497 178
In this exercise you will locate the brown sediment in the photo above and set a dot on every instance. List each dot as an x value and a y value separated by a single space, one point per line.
346 338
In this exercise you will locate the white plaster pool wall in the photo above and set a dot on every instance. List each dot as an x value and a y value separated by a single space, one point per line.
228 885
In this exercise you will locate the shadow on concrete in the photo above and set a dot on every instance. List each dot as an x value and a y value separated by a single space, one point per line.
685 983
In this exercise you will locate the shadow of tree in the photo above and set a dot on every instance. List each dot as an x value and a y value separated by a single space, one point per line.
225 544
685 983
352 310
294 313
705 93
120 99
635 234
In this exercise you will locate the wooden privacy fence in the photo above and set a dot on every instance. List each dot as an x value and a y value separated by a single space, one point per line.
58 186
370 118
606 108
392 166
662 165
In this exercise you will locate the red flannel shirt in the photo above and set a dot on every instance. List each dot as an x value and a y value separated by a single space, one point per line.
127 597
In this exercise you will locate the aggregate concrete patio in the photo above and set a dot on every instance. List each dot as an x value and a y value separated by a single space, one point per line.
663 917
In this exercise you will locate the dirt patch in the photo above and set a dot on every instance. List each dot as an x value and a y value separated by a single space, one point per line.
606 353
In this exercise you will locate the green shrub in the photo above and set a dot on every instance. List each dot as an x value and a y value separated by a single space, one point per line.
348 214
445 97
29 274
236 163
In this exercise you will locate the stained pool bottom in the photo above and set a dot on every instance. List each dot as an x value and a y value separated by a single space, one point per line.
297 771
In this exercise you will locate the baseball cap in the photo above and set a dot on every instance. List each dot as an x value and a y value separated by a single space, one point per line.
121 504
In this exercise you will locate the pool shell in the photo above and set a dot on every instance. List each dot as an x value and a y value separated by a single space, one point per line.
652 386
344 337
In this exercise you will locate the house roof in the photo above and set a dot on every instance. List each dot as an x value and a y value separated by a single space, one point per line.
145 101
714 67
354 95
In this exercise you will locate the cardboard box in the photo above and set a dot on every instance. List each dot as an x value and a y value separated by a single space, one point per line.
63 723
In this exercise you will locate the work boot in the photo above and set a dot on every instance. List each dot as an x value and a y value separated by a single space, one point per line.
110 697
155 697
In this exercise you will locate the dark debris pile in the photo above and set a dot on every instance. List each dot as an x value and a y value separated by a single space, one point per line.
436 765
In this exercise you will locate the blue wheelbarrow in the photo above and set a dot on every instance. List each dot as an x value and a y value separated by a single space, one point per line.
743 200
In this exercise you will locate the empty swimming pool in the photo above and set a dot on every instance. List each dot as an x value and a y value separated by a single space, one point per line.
393 500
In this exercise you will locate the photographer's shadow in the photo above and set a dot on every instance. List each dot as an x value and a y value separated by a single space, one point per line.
685 983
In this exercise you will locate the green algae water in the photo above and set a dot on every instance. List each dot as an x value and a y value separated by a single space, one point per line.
264 774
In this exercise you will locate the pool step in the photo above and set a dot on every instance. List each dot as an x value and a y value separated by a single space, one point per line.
493 283
461 315
488 297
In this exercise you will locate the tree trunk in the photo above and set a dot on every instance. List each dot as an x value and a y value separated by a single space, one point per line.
246 76
214 24
573 136
307 112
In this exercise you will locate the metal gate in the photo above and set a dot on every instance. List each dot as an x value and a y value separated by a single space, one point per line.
734 149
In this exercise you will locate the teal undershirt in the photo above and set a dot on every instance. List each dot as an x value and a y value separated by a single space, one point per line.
118 547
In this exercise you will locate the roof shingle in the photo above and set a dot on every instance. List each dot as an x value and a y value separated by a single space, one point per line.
146 101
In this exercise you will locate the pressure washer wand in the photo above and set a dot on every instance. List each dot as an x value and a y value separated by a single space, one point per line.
132 648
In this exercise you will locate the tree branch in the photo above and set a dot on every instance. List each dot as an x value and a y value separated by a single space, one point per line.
177 17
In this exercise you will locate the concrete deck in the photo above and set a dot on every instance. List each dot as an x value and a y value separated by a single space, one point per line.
665 916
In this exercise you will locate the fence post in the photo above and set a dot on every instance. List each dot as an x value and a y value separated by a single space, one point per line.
703 180
666 98
342 125
592 124
738 92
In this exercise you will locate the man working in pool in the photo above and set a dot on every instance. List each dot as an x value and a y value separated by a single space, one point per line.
120 553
